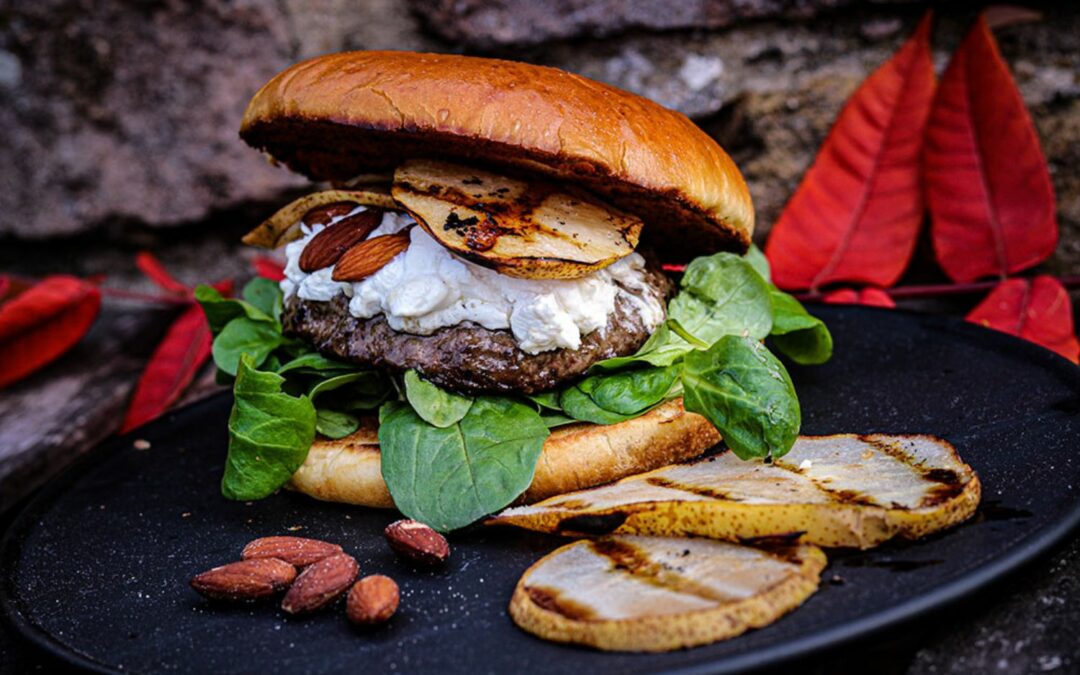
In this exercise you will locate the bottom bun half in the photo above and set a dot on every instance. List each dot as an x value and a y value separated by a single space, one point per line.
573 457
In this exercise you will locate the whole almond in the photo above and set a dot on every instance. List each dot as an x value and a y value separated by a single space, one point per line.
369 256
416 541
372 600
298 551
320 584
245 580
326 247
321 215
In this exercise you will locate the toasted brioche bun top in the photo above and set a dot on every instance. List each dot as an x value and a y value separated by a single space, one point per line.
338 116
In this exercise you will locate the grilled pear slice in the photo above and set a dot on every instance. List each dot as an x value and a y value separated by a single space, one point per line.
833 491
655 594
284 226
521 228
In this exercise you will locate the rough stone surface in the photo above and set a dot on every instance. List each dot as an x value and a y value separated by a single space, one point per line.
128 110
487 24
123 110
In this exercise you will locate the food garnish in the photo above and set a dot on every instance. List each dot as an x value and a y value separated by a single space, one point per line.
417 542
284 226
372 600
298 551
521 228
651 594
320 584
844 490
245 580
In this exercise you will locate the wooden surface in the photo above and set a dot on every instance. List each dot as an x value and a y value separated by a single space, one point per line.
60 412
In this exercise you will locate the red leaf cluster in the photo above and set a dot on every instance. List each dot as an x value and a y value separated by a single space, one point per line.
856 214
178 357
991 201
1036 309
39 322
972 148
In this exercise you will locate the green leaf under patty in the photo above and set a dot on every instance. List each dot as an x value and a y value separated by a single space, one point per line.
746 393
244 336
270 433
450 477
434 404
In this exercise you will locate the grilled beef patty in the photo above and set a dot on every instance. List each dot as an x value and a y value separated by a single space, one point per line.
466 358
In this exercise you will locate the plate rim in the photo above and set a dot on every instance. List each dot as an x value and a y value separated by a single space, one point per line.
935 600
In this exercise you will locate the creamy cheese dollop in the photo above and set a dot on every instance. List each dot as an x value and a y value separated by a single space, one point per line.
426 288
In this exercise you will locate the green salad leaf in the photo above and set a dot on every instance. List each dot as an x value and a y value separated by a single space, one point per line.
720 295
334 423
314 363
220 310
448 477
616 397
433 404
801 337
264 295
244 336
270 433
580 406
759 262
739 386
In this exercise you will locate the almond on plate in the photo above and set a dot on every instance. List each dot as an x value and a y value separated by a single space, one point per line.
417 542
245 580
298 551
372 600
320 584
843 490
652 594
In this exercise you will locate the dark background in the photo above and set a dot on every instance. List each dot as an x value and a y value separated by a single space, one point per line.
120 122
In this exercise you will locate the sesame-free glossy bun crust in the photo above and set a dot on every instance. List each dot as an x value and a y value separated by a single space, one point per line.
338 116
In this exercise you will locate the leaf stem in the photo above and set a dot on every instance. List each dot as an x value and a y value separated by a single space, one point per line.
163 299
941 290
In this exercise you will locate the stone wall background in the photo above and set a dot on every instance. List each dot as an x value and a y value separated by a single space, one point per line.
120 116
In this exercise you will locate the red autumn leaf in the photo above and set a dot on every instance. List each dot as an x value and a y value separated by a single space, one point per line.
269 268
43 322
149 265
991 202
1035 309
874 297
173 366
856 214
171 369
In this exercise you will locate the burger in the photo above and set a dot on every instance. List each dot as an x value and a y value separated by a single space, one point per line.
479 303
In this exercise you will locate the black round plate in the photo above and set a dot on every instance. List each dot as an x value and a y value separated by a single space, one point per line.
96 568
